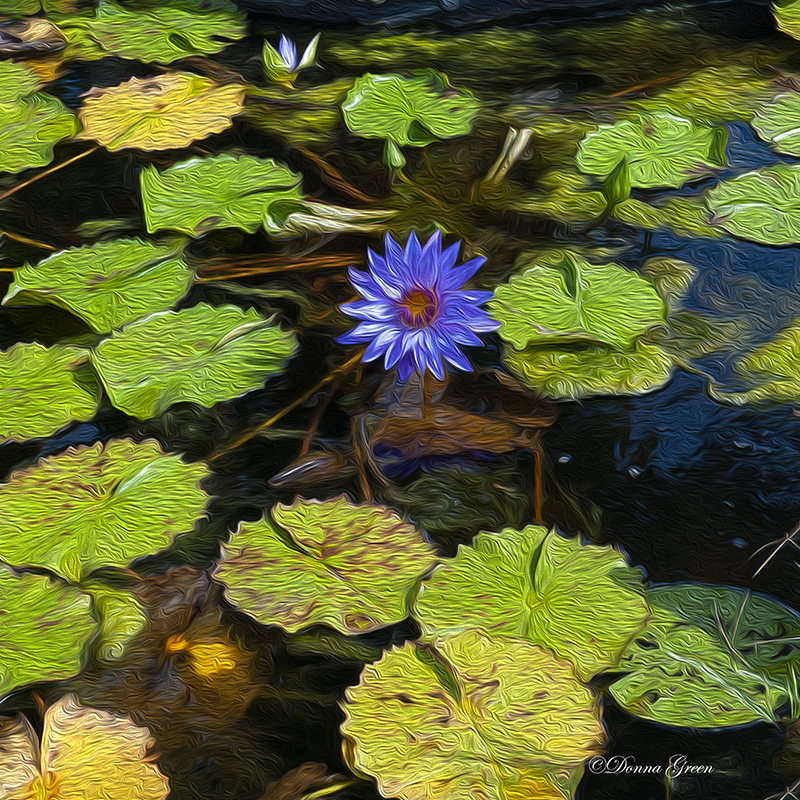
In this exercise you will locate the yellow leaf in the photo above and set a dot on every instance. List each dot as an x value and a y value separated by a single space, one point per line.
84 754
171 110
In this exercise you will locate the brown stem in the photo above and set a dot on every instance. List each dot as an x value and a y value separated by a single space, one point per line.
334 178
265 265
324 403
538 479
47 172
25 240
343 369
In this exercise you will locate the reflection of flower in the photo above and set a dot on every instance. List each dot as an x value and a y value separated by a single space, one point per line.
414 311
283 64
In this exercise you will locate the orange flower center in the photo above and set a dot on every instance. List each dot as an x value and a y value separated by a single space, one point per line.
419 308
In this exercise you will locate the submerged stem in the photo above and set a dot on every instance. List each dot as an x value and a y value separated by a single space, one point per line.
340 370
47 172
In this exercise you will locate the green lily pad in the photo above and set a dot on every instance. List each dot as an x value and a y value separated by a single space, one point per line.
763 206
159 113
163 34
226 191
352 567
563 299
471 717
121 615
581 601
661 150
787 16
45 628
572 373
106 284
686 216
98 506
773 370
202 354
777 122
408 111
16 81
711 656
44 388
32 126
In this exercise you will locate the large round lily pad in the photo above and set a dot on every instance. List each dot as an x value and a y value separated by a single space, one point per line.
45 628
167 111
84 754
352 567
563 298
44 388
32 126
163 33
572 373
105 284
660 149
763 206
711 656
97 507
226 191
203 354
581 601
409 111
471 718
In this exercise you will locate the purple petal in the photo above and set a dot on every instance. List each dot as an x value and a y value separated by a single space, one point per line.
453 355
394 352
449 257
458 276
377 311
366 285
288 53
405 368
380 344
413 249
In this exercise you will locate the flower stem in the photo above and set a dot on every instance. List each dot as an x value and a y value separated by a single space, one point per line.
47 172
538 480
342 370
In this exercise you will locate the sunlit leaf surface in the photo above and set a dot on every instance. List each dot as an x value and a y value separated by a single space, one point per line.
473 718
84 754
202 354
105 284
761 206
167 111
45 628
227 191
660 150
98 507
562 298
163 33
778 122
31 128
352 567
582 602
44 388
16 80
409 111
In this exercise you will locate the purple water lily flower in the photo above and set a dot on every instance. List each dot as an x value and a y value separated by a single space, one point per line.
414 312
283 64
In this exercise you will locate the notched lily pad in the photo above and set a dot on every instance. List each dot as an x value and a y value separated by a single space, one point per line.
562 298
226 191
470 718
352 567
160 113
45 628
32 126
203 354
105 284
408 111
84 754
99 506
778 122
583 602
660 149
44 388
